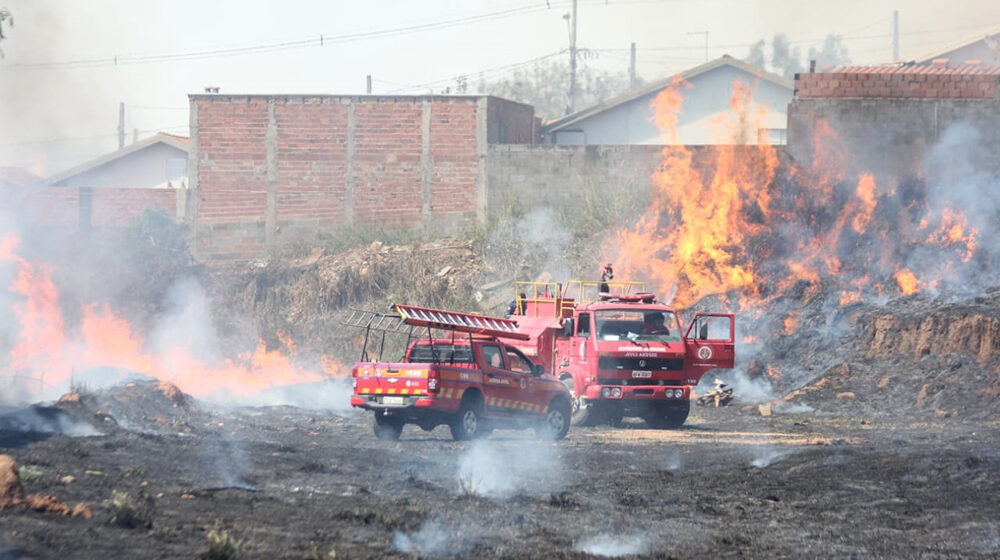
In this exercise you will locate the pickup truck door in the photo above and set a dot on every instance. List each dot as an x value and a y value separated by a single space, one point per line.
530 399
709 343
499 385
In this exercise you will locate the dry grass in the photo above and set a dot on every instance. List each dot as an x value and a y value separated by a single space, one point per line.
131 512
223 545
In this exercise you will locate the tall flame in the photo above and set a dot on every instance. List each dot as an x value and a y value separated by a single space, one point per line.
724 220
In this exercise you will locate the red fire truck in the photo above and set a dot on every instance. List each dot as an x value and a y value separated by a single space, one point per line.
473 382
618 350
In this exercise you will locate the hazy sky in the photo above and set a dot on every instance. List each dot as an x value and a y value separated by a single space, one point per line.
68 63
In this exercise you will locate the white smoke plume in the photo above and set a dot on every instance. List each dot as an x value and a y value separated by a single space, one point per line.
498 470
431 540
766 455
613 546
44 420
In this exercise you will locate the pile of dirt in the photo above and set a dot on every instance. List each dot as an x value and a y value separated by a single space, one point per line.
12 494
915 356
150 406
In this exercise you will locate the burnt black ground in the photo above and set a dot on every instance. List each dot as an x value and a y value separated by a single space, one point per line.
296 483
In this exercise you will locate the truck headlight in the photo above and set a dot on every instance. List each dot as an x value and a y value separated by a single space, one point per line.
606 392
616 392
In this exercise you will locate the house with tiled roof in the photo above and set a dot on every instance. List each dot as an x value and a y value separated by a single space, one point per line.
707 92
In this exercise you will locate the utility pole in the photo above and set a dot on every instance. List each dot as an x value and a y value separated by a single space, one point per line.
121 125
705 33
571 20
368 84
631 67
895 35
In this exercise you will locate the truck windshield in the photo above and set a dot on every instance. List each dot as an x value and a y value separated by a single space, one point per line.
445 354
637 325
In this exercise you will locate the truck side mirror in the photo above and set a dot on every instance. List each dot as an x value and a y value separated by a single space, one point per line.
567 327
537 370
703 331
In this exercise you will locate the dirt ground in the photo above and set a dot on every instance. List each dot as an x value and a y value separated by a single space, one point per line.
296 483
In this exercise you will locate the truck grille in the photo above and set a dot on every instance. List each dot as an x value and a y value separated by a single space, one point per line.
651 364
661 382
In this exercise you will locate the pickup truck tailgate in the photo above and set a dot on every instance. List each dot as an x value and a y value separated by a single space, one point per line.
391 379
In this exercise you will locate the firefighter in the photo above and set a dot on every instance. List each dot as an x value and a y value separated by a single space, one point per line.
654 323
607 274
513 308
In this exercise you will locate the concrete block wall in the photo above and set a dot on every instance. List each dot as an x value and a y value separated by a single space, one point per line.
269 169
570 178
888 119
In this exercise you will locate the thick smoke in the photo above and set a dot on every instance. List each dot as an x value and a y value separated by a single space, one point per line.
44 420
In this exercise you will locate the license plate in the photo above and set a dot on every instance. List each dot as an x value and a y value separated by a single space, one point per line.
392 400
642 374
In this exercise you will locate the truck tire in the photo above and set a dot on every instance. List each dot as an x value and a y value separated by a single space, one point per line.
387 428
581 414
468 421
556 423
668 416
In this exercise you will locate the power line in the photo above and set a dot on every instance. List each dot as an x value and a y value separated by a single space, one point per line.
84 138
482 74
319 40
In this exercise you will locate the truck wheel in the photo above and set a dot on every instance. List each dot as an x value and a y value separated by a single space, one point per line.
555 425
581 413
387 428
468 422
668 416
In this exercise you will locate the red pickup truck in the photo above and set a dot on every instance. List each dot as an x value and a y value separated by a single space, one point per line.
473 382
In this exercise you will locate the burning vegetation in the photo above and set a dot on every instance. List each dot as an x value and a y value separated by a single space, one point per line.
748 222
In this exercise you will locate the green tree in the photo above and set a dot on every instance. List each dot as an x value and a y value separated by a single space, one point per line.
545 85
5 17
833 53
787 60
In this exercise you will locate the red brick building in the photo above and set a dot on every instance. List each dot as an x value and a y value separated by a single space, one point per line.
272 168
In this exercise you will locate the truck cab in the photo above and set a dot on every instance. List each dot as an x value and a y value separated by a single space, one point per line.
621 352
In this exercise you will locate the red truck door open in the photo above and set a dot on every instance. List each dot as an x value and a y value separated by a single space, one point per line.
709 344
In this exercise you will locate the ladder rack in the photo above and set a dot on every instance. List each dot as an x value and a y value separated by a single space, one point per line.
461 322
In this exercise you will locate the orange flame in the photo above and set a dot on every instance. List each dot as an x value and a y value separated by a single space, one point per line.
791 323
691 243
907 281
106 340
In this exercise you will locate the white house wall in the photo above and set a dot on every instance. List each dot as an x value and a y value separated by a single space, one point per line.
708 99
144 168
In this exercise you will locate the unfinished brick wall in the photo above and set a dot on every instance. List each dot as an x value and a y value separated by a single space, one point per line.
969 83
890 118
120 207
83 207
273 169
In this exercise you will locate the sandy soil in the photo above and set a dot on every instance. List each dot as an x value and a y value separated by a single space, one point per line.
294 483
